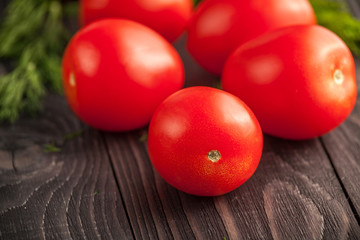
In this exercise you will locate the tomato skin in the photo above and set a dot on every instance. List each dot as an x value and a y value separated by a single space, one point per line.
116 72
169 18
191 123
291 79
220 26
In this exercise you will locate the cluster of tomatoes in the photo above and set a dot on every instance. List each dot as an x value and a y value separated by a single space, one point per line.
295 79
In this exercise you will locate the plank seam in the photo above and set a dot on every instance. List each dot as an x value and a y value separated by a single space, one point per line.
347 196
222 220
117 183
184 212
147 227
13 161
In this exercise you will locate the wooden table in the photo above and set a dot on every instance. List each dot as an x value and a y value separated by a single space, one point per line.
95 184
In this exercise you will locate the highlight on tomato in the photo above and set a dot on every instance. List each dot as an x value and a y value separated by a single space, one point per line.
204 141
299 81
220 26
116 72
169 18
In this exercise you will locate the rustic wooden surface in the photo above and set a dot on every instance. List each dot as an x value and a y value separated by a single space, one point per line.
102 185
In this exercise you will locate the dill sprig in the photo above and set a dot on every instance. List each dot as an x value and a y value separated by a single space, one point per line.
51 147
32 37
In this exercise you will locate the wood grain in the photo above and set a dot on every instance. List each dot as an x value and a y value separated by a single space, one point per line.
290 197
293 195
281 199
305 196
68 194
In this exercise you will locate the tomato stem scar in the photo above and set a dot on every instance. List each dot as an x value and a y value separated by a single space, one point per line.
338 76
214 155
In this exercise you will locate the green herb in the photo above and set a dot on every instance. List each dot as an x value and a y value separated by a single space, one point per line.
96 192
32 37
217 84
144 136
196 2
335 16
50 147
73 135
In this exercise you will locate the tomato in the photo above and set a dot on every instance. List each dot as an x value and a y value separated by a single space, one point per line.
204 141
299 81
169 17
219 26
116 72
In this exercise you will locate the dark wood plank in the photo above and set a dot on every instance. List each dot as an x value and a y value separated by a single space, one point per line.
137 184
295 193
67 194
157 210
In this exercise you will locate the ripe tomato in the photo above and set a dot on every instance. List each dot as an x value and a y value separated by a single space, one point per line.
219 26
116 72
299 81
204 141
169 17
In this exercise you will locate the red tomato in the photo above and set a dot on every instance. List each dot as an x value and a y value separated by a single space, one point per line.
169 17
204 141
299 81
219 26
116 72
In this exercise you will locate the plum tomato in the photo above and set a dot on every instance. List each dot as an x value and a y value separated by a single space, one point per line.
116 72
219 26
169 18
204 141
299 80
